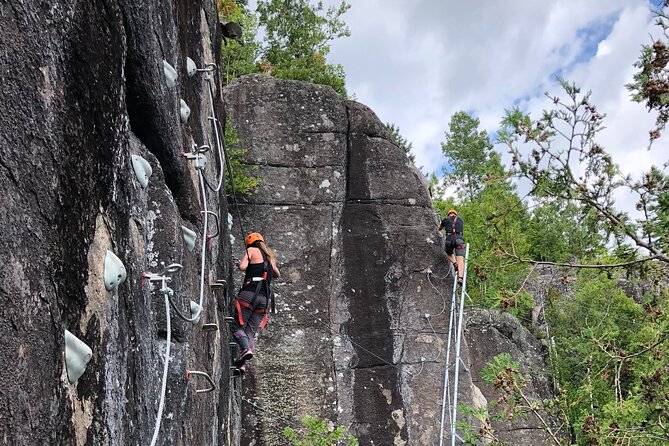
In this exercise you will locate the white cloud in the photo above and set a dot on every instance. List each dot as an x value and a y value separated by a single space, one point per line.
416 63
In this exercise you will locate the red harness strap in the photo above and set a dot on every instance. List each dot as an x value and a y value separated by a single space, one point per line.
242 303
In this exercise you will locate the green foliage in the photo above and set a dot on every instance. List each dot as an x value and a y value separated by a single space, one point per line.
296 42
651 83
319 432
243 173
653 191
519 303
401 142
482 433
504 375
610 358
560 231
470 153
240 58
313 69
565 163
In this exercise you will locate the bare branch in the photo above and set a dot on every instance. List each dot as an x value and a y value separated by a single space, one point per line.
580 265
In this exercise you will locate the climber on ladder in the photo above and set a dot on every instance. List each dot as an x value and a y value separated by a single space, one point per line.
453 227
253 300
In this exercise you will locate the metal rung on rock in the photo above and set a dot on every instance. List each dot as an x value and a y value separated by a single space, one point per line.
209 327
219 284
229 319
212 385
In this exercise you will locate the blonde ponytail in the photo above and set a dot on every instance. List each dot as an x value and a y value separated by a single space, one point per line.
268 252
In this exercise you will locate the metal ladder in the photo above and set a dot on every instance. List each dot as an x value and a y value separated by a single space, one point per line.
454 337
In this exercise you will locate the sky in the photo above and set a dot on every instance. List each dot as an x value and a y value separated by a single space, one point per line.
416 63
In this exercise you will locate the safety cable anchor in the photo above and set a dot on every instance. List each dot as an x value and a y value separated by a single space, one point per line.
197 154
191 67
162 277
212 384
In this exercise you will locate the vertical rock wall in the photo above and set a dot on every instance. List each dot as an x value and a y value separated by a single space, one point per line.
83 91
364 304
353 226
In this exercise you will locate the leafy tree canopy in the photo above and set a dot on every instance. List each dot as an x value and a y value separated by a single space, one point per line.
295 40
470 153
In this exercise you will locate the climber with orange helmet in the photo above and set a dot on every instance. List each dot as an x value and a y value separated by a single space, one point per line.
453 227
251 306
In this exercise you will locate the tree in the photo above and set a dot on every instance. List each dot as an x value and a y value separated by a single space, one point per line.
560 231
609 354
297 36
239 58
651 83
563 161
400 141
470 153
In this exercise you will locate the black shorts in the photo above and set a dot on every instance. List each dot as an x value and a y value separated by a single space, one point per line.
456 244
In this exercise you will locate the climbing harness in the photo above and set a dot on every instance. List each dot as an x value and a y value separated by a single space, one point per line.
453 239
260 282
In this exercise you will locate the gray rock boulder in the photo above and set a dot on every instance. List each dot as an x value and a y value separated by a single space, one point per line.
490 333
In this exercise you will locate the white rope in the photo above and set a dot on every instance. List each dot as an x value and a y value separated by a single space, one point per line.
446 397
215 123
205 228
458 337
443 298
161 406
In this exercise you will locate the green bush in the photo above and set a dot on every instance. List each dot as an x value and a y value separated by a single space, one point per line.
243 173
319 432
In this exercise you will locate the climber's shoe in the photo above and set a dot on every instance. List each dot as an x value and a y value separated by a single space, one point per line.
239 371
460 281
245 356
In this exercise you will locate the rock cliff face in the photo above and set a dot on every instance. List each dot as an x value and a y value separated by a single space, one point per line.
361 332
353 226
83 92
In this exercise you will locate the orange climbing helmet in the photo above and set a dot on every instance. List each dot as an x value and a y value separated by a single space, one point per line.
452 211
253 237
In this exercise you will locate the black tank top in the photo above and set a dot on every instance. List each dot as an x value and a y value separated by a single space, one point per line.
258 270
